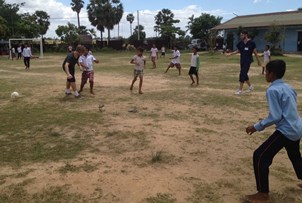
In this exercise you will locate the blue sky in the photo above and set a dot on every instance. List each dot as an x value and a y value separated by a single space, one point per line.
61 13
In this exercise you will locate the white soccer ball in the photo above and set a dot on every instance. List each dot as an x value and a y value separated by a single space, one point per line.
14 95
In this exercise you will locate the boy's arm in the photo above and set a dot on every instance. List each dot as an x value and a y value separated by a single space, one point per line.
197 62
275 112
69 76
133 62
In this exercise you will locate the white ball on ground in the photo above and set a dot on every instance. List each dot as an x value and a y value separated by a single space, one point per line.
14 95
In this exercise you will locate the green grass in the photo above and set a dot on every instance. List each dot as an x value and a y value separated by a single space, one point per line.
45 127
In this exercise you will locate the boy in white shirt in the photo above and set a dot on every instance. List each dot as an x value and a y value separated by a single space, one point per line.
195 62
86 63
266 58
140 63
175 61
154 55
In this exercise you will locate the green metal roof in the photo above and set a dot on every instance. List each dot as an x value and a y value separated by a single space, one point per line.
291 18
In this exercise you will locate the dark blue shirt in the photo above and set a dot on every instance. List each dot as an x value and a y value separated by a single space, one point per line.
72 61
246 51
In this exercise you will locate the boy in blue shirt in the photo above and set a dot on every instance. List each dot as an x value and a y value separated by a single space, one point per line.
282 101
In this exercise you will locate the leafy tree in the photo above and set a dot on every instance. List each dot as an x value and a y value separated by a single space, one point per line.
28 27
106 13
95 17
68 33
3 28
299 9
130 19
274 36
200 27
76 6
165 21
42 19
133 38
9 12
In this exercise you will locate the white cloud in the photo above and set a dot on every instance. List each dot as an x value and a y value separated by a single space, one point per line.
61 14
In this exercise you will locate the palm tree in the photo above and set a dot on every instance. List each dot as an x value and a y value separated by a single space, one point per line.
94 11
130 19
105 13
77 5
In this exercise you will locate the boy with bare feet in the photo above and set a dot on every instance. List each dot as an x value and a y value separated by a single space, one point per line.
195 62
140 62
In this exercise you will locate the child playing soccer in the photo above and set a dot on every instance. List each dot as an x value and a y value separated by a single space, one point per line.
175 61
282 101
68 66
266 58
195 62
154 55
86 62
140 62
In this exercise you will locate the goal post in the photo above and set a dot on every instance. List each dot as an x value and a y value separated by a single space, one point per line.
25 39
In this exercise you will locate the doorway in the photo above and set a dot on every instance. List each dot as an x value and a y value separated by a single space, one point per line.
299 44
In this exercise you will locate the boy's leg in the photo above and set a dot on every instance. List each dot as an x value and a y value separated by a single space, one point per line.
293 152
67 90
74 88
133 81
197 78
140 84
179 68
83 80
169 66
263 157
191 76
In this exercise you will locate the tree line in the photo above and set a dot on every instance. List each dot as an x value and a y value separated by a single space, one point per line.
103 15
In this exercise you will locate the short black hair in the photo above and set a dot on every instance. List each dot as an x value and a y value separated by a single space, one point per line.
140 49
276 66
245 32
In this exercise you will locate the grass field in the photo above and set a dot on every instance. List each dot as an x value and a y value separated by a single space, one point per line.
184 144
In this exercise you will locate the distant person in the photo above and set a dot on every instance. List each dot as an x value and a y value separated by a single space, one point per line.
195 63
246 47
175 61
163 51
26 56
266 58
283 113
69 49
19 50
154 55
140 62
69 68
86 63
14 53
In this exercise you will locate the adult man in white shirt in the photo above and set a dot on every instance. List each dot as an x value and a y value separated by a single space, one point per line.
26 56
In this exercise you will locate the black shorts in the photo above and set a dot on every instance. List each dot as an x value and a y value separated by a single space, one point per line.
193 71
71 71
163 53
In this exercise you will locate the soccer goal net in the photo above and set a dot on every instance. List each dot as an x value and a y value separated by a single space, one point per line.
15 42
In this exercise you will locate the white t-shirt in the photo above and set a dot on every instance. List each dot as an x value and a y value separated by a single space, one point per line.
163 50
87 61
176 56
140 60
194 60
266 55
154 52
19 49
26 52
